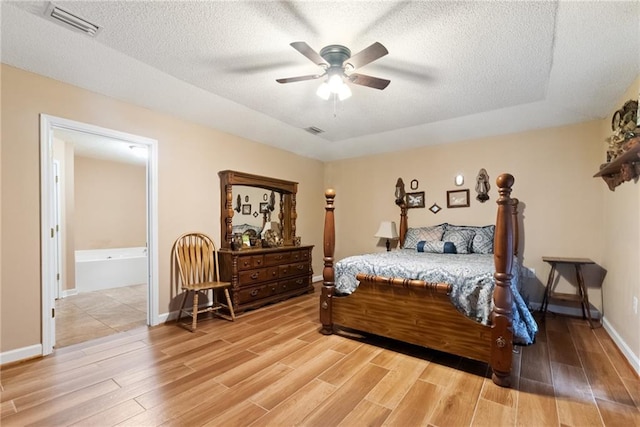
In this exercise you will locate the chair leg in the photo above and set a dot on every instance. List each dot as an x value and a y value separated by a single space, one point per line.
194 322
184 301
230 305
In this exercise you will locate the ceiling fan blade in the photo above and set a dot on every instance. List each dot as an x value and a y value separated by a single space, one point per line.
299 78
307 51
367 55
364 80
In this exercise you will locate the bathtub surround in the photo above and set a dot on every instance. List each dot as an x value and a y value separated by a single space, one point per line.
98 269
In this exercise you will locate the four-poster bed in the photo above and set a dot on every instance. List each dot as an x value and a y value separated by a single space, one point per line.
421 311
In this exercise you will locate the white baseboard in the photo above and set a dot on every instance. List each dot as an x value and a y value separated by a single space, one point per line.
315 279
633 359
21 354
69 292
164 317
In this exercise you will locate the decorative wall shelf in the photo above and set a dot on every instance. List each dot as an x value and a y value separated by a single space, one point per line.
623 168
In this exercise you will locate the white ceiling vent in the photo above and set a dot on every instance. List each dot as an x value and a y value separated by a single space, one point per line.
313 130
70 20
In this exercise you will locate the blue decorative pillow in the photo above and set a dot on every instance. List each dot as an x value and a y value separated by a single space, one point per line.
461 238
482 241
436 247
415 235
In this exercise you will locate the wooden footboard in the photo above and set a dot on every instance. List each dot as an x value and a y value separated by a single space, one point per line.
421 313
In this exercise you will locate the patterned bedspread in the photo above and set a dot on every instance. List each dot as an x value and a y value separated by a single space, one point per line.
471 276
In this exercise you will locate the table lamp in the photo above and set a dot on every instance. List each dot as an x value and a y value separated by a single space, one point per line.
387 230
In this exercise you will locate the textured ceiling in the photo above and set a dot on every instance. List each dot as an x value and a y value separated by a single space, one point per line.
458 70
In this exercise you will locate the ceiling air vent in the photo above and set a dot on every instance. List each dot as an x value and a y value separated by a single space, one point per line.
69 19
313 130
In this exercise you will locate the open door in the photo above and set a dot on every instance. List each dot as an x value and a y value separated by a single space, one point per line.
51 248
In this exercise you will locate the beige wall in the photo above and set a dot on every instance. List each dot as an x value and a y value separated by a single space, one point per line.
110 204
189 158
621 249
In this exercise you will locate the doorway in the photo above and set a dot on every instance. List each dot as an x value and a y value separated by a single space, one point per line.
111 143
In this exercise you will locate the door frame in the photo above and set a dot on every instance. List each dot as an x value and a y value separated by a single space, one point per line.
48 283
56 211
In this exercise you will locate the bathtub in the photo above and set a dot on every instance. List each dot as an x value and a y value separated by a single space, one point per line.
98 269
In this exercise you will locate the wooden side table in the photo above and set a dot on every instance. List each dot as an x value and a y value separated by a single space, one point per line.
582 297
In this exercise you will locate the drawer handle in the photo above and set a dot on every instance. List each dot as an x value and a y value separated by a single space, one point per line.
279 257
301 267
246 263
274 273
254 276
299 281
284 286
273 289
284 271
254 292
259 262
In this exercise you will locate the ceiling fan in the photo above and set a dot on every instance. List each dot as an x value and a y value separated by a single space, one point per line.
338 65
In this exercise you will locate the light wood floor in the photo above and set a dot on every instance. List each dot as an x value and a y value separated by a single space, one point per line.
91 315
273 368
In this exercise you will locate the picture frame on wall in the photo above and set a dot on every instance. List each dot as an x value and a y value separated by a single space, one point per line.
458 198
415 199
264 206
246 209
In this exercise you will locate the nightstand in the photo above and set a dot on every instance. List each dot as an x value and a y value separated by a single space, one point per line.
582 297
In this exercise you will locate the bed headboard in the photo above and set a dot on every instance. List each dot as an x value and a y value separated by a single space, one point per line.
504 184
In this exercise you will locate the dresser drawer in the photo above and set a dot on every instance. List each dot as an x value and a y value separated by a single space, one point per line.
299 256
249 262
292 284
290 270
277 258
250 277
255 293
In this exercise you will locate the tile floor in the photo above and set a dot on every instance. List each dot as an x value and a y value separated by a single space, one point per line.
97 314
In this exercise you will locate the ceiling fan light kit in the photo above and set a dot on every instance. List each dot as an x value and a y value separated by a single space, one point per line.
338 66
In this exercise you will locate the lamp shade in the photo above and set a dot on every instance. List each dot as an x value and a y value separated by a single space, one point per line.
387 230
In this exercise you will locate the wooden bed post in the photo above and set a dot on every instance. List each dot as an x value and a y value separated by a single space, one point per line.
501 316
328 275
516 227
403 225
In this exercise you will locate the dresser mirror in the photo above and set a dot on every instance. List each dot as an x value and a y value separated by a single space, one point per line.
251 202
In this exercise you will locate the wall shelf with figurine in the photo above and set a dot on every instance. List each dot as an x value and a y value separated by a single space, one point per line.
623 168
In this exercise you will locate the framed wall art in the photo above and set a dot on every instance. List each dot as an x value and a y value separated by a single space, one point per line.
458 198
246 209
415 200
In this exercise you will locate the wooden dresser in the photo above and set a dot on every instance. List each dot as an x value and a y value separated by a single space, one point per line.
262 276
